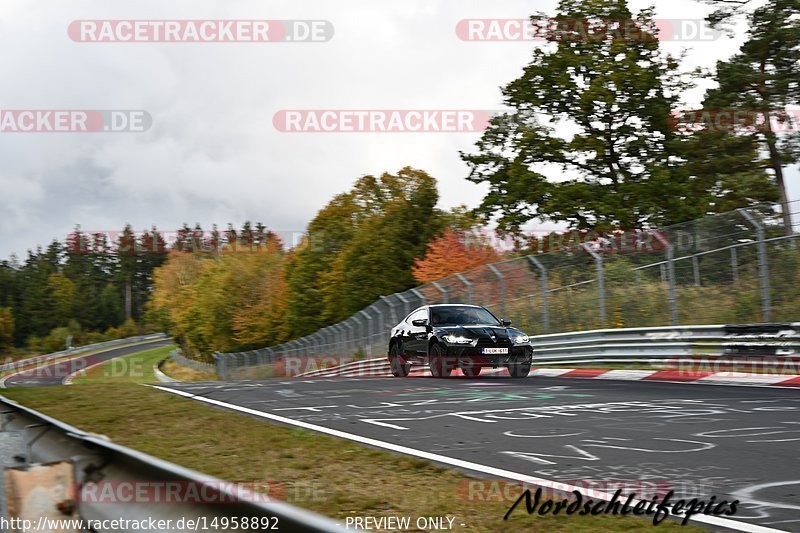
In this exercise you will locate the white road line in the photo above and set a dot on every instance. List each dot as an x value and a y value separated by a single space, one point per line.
459 463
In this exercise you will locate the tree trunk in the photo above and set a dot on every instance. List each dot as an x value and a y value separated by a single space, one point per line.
775 162
127 299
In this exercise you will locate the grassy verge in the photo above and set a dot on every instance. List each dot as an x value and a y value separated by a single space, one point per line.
182 373
134 368
337 478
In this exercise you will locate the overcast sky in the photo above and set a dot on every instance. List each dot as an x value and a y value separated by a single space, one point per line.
212 153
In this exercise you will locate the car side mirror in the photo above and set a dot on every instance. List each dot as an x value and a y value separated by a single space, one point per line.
505 322
420 322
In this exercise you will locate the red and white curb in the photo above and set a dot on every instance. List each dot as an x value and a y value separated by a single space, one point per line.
714 378
380 368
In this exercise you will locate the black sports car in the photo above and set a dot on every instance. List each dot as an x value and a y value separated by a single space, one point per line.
469 337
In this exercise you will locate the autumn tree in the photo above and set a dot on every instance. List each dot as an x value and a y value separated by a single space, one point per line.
394 223
450 253
223 301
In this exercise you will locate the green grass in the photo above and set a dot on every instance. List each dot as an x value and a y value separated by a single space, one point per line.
134 368
182 373
334 477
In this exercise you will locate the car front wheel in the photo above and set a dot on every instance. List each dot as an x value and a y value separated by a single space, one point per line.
520 368
400 367
438 362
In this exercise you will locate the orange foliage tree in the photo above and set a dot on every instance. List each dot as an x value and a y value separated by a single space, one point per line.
450 253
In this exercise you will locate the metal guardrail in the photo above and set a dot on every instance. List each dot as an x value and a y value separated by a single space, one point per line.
94 459
21 363
720 344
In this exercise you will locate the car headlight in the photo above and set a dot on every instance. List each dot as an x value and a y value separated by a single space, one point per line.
457 339
521 339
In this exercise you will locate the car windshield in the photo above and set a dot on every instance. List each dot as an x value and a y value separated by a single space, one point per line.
457 316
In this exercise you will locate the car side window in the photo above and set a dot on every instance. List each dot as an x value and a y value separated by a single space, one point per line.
422 313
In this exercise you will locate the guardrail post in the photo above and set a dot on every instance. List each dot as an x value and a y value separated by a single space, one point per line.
468 284
763 268
543 280
601 284
442 290
672 297
502 281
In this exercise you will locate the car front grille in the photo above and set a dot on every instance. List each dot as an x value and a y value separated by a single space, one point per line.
488 343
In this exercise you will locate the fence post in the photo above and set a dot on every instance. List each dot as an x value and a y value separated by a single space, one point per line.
302 346
380 326
339 338
734 265
352 337
696 270
601 284
672 298
323 341
543 280
393 313
319 341
502 282
468 284
221 370
406 304
442 290
763 268
367 330
419 295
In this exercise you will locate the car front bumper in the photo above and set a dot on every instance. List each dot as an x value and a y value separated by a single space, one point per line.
475 356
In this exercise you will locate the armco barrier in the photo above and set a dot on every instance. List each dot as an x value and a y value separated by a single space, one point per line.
720 345
33 440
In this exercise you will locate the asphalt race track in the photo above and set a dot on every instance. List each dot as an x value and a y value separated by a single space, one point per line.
48 375
698 440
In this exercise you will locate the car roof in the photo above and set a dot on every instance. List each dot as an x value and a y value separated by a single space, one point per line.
455 305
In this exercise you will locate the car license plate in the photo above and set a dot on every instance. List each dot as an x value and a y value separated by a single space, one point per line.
495 350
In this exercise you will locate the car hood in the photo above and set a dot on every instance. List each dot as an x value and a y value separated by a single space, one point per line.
480 331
